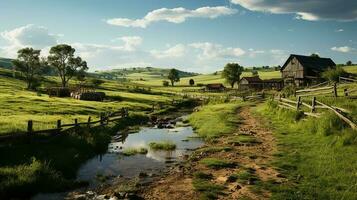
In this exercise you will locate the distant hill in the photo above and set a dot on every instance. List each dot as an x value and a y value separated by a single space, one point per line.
140 73
6 63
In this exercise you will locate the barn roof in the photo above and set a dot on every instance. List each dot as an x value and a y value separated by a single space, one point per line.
254 79
310 62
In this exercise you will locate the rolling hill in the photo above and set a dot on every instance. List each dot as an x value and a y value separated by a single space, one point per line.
5 63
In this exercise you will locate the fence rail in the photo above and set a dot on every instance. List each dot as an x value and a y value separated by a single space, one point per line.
296 105
105 118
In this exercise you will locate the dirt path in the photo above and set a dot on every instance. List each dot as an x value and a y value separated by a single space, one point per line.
243 181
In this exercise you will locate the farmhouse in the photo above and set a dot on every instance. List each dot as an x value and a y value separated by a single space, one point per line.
214 87
304 70
251 83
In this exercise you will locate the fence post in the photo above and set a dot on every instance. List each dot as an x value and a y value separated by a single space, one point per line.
59 124
298 102
345 91
313 104
335 89
89 119
30 126
101 119
153 107
75 122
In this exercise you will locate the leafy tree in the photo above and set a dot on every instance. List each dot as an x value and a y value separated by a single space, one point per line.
255 73
348 63
173 76
232 72
334 74
191 82
29 64
62 58
315 55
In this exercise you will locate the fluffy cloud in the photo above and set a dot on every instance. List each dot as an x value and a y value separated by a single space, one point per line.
175 15
344 49
306 9
172 52
212 51
27 36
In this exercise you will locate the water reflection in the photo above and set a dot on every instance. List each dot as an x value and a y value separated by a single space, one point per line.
113 163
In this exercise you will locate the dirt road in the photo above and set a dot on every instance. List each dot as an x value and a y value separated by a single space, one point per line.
251 147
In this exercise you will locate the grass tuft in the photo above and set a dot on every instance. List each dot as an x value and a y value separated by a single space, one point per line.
215 163
163 145
134 151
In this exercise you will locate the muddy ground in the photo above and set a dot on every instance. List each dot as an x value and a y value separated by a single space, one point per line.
251 157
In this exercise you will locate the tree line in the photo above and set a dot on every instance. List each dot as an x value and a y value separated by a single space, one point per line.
61 59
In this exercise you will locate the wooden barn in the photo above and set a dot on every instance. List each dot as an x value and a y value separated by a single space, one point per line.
251 83
214 87
304 70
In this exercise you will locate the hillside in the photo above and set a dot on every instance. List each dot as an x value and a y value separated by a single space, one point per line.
140 73
5 63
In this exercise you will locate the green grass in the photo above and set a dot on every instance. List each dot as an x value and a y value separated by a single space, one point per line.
215 163
243 139
212 121
18 105
208 190
162 145
317 156
214 149
134 151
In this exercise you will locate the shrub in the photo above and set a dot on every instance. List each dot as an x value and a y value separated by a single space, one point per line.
165 83
333 75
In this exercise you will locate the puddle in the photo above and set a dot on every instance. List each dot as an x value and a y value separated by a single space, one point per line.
114 164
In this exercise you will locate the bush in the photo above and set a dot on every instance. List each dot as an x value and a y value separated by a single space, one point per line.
217 163
288 90
165 83
333 75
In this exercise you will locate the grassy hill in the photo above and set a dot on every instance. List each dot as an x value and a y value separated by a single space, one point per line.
140 73
5 63
18 105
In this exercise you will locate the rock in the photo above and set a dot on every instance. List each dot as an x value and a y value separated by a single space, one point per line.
79 197
238 187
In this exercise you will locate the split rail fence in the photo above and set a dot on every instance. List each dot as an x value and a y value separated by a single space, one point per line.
104 119
297 106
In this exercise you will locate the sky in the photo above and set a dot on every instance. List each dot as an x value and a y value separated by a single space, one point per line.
191 35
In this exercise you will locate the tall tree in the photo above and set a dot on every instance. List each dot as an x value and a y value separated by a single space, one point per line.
348 63
28 63
232 72
67 65
173 76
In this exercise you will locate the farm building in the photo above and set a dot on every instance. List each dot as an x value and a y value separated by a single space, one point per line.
304 70
251 83
214 87
256 83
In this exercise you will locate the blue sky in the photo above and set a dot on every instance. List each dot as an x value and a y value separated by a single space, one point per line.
193 35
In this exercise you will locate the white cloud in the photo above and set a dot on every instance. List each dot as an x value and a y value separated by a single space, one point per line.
172 52
175 15
339 30
212 51
344 49
305 9
30 35
131 42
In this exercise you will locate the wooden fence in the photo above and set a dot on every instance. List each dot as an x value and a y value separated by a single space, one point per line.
296 105
104 119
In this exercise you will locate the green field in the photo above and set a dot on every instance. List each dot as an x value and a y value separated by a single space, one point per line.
18 105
